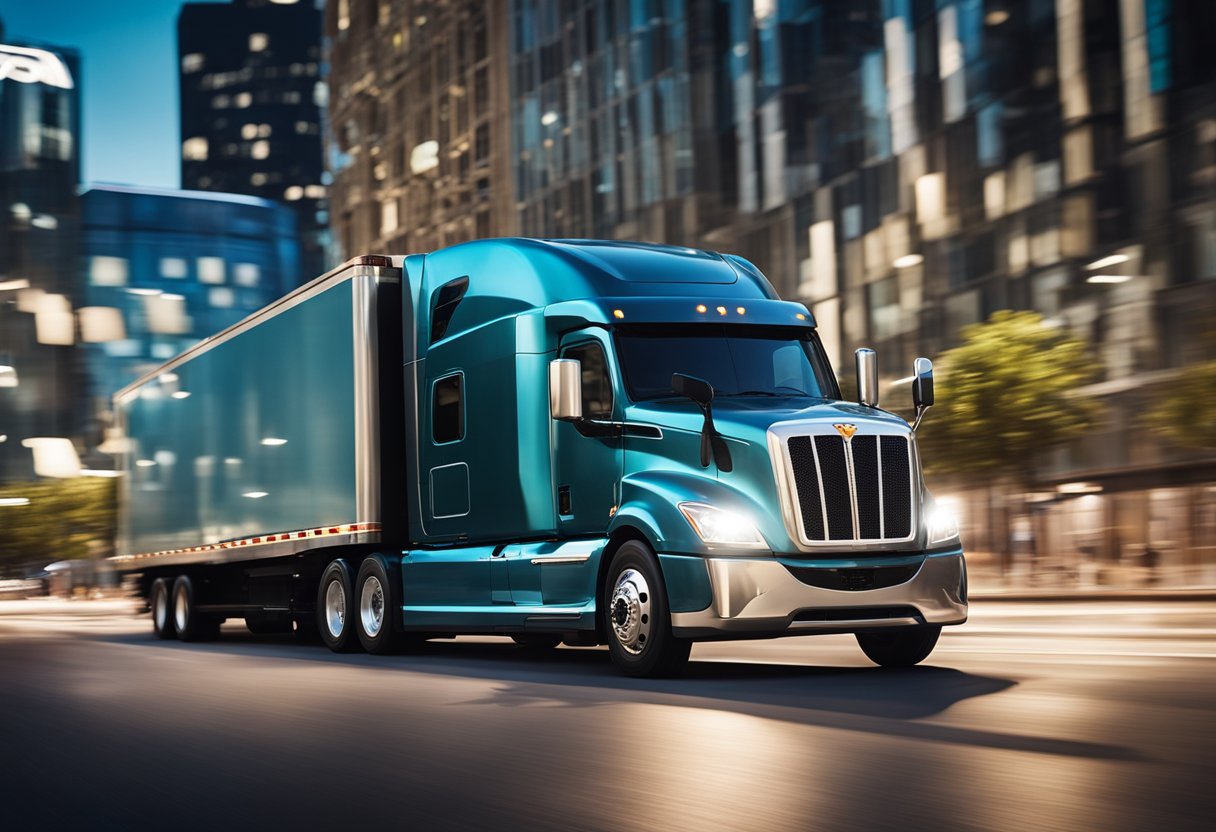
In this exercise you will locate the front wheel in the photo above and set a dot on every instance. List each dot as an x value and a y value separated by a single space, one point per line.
636 615
902 647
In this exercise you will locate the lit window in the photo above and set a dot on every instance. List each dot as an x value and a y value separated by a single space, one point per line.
320 94
100 324
388 217
192 62
246 274
243 100
260 149
258 41
194 149
249 131
108 271
163 351
221 297
173 267
302 127
258 179
293 193
211 270
315 192
166 315
343 15
263 130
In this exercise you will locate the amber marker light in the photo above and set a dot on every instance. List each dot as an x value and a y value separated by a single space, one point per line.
800 316
721 310
740 310
701 308
618 314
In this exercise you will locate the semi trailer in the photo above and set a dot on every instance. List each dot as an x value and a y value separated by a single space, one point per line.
573 441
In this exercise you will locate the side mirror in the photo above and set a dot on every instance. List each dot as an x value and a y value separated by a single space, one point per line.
566 389
867 377
699 390
922 383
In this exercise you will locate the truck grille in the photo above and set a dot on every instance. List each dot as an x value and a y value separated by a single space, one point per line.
855 490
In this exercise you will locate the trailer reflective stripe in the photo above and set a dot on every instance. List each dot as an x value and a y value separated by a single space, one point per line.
260 540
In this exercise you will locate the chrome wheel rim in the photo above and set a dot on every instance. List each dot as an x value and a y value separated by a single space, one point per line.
335 609
629 611
179 609
371 606
160 609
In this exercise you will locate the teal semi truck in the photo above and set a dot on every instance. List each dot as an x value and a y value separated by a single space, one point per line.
552 440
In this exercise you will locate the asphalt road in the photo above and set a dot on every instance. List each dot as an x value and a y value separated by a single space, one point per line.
1087 715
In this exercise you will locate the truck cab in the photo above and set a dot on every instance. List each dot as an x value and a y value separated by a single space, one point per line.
598 423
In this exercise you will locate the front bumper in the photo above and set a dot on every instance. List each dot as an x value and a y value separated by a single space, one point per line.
758 598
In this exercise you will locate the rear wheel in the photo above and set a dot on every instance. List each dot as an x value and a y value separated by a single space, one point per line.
378 606
903 647
336 607
162 616
636 616
191 625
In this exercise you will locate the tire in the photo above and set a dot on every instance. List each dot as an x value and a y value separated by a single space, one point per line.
636 618
378 607
335 602
191 625
162 609
903 647
537 642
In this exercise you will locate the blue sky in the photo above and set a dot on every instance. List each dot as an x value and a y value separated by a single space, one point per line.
129 80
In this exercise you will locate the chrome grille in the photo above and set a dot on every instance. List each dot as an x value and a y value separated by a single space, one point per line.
852 490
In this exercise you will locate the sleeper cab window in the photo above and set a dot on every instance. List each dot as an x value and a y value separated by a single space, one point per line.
447 409
597 386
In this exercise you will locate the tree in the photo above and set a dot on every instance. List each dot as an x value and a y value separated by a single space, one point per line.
64 520
1184 413
1007 395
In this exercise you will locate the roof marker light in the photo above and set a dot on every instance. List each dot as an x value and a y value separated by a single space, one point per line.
721 310
618 314
701 308
740 310
800 316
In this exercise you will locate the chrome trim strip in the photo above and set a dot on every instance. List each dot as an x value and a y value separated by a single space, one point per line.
364 299
823 503
882 509
288 543
562 559
848 467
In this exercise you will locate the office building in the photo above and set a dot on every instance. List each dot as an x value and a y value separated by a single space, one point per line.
252 104
39 176
171 268
420 142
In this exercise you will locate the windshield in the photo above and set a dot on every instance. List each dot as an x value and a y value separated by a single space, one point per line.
736 360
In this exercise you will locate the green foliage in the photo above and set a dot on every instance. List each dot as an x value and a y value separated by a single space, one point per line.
1185 412
1005 395
65 519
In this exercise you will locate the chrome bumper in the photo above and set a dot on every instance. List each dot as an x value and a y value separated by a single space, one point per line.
759 597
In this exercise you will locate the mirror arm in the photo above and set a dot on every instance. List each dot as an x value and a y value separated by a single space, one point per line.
920 414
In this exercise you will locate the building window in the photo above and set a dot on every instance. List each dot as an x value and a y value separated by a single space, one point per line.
388 217
447 411
246 274
884 308
195 149
258 41
260 149
108 271
211 270
193 62
221 297
172 267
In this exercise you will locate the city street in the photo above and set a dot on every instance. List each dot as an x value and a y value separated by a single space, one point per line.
1069 715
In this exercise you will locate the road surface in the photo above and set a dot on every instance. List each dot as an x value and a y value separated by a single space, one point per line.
1085 715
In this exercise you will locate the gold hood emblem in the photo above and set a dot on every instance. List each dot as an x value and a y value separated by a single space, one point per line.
846 431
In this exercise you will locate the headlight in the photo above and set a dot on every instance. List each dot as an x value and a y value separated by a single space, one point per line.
941 525
721 527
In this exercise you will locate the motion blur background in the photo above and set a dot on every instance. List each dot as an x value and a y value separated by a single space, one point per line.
912 170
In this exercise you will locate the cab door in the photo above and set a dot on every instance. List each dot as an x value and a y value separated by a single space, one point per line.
587 469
